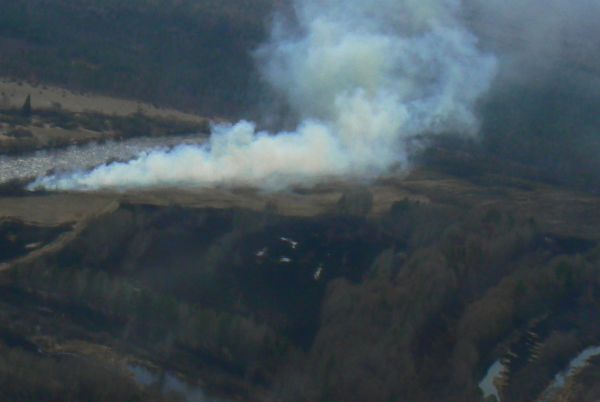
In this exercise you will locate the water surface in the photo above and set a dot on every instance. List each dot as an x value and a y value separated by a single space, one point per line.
82 157
169 384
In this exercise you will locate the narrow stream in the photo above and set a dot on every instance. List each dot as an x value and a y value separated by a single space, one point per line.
168 384
560 380
487 386
83 157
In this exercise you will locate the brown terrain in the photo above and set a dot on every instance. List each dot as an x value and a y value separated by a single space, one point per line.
410 288
13 93
432 258
60 117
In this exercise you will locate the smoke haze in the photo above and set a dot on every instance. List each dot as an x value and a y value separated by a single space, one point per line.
543 109
363 78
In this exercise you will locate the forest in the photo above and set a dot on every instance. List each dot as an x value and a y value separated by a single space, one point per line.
194 55
445 287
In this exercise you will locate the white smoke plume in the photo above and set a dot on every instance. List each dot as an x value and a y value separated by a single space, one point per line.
363 77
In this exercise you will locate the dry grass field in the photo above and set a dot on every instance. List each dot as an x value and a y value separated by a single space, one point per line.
13 94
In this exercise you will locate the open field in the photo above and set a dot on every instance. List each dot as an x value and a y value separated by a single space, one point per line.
13 94
558 209
59 118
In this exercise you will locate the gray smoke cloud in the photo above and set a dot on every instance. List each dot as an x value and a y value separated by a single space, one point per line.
364 77
544 107
532 33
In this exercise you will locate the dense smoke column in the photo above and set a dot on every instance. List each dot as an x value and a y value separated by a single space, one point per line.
363 77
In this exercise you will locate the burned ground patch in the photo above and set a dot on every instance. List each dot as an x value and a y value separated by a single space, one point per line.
18 238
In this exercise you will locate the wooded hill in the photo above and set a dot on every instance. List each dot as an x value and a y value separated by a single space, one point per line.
194 55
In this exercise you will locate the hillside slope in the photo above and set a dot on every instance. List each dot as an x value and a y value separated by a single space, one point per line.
193 55
404 290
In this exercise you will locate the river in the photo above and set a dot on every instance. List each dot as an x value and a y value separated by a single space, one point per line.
560 380
169 384
488 388
82 157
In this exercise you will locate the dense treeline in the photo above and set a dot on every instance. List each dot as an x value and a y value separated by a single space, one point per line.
194 55
26 377
346 306
437 312
159 321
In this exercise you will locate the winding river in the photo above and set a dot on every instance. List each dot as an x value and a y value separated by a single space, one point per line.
488 388
82 157
560 380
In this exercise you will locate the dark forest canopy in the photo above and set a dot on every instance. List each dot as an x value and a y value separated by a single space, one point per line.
195 55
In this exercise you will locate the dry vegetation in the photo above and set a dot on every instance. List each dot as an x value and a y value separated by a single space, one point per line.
44 128
406 289
426 279
14 92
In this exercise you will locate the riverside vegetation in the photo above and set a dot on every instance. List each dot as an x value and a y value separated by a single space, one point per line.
264 304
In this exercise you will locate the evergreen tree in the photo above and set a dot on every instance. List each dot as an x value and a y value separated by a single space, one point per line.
26 108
